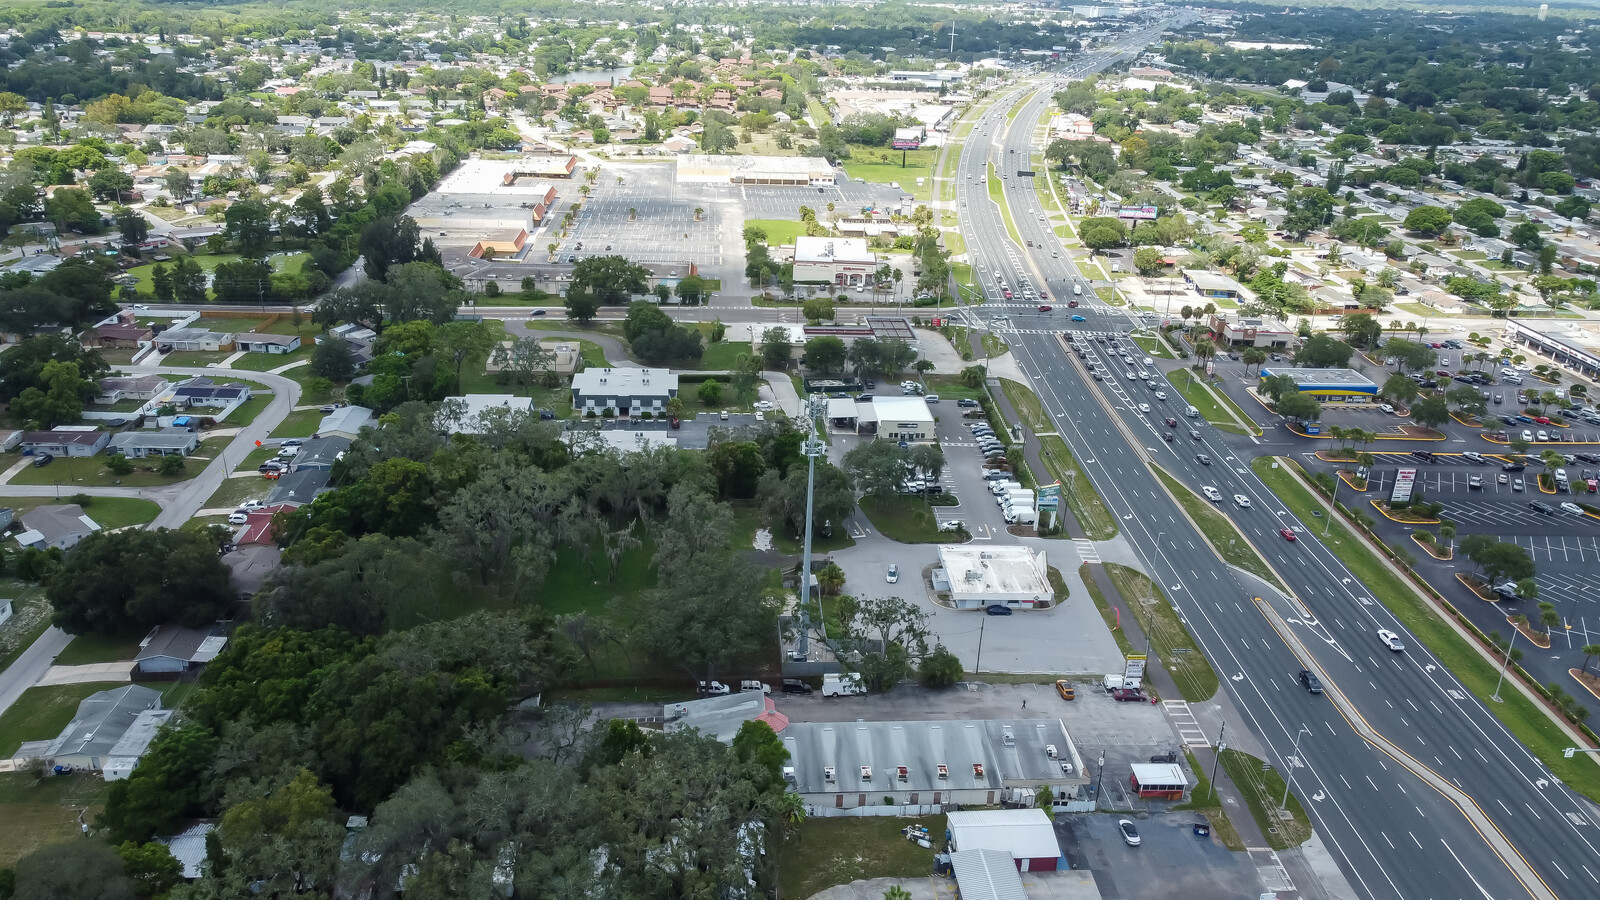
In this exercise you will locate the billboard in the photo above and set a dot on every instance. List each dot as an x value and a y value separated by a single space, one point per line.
1133 670
1049 497
1136 212
905 144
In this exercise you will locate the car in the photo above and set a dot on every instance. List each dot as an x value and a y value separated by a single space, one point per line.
1424 455
723 415
1516 485
796 686
967 402
1241 501
1541 420
41 460
270 465
1194 435
1311 682
1288 534
1572 508
1065 689
675 422
1128 695
1474 482
1161 395
1504 479
952 525
1202 459
288 452
1499 398
292 442
713 688
997 609
1144 407
1513 467
893 577
1527 436
1542 435
1130 834
764 405
932 398
1386 407
252 505
238 517
1077 318
1391 640
328 408
1045 307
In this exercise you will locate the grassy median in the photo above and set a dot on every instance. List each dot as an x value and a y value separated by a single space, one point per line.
1170 640
1523 717
1084 501
1237 551
1263 791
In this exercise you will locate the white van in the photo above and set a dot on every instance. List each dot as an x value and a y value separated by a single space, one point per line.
842 685
1191 412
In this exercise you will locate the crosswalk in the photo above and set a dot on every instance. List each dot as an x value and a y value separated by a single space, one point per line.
1086 550
1187 726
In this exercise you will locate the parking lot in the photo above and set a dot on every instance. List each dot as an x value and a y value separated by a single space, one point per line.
1170 861
963 476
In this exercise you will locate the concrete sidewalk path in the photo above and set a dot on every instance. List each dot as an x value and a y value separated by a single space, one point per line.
88 674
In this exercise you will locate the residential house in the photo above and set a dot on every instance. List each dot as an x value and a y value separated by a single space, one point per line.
142 387
346 422
252 342
1212 285
296 489
193 339
145 444
65 441
171 649
110 731
121 335
320 453
60 526
203 391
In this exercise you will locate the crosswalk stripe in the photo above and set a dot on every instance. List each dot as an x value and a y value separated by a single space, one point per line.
1086 550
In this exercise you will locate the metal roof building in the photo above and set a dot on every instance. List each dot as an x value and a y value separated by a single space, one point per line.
1026 835
987 875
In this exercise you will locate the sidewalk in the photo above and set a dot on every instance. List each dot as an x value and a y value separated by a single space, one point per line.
1228 795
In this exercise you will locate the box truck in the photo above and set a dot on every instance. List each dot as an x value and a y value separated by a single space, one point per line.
842 685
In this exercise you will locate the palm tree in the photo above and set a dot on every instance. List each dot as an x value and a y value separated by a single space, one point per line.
633 213
698 212
1254 356
1204 350
552 248
1590 651
1548 617
1447 533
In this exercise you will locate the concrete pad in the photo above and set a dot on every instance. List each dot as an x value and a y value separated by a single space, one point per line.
86 674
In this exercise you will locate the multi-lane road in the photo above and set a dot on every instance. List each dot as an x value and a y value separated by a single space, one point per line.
1373 770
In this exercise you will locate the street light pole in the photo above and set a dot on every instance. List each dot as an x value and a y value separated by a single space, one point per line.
1504 664
813 448
1333 504
1217 757
1293 760
977 665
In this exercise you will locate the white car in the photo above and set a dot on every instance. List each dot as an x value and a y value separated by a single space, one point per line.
1241 501
764 405
952 525
894 574
1573 508
1386 407
1542 435
1144 407
1391 640
1161 395
1212 494
238 518
251 505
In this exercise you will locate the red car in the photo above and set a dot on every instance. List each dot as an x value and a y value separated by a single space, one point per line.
1072 304
1128 695
1288 535
1045 307
1542 420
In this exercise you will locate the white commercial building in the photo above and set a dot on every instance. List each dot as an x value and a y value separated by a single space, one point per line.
831 260
903 418
981 576
626 391
793 171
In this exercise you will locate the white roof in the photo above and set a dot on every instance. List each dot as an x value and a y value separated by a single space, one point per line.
808 249
345 419
624 382
987 875
1023 833
842 408
1159 774
996 570
902 409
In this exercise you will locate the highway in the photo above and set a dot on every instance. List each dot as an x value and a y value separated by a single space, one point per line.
1393 835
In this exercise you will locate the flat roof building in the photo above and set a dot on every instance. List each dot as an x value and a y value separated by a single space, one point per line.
1572 346
1026 835
903 418
1213 285
1328 384
346 422
472 413
795 171
1252 332
841 766
831 260
628 391
980 576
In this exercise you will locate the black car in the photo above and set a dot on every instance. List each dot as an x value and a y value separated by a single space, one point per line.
1310 681
1539 506
1588 458
796 686
42 460
1424 455
1202 459
998 609
1513 467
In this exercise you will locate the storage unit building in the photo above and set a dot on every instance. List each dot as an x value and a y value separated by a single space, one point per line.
1026 834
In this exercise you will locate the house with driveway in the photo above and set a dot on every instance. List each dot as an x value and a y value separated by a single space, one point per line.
74 440
145 444
61 527
252 342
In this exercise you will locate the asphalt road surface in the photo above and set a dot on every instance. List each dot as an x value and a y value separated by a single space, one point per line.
1392 834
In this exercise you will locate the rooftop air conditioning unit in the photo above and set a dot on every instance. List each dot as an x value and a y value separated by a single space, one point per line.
944 771
827 773
1050 750
866 773
788 774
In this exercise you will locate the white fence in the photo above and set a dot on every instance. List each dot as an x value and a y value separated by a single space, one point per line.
902 810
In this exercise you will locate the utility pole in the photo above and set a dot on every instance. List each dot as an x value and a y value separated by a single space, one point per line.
977 665
1293 760
1504 664
812 449
1217 757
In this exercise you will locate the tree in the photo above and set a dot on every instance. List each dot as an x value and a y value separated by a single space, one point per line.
59 401
1427 220
248 226
389 241
1527 236
1103 233
824 354
1590 651
716 609
877 468
609 280
138 579
72 209
881 637
333 359
940 668
817 309
1298 406
461 341
1361 329
710 393
151 867
1323 352
757 744
1430 412
1399 390
776 351
1467 399
79 870
1253 356
1147 260
375 585
110 184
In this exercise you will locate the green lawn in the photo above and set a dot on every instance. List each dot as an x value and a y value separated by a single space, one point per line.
882 166
1027 405
28 605
299 423
41 712
248 410
265 362
253 460
823 852
1153 346
280 263
1084 501
36 813
1521 716
1107 613
110 512
100 648
72 473
779 231
234 491
904 519
1236 550
1196 394
1263 791
748 519
1170 641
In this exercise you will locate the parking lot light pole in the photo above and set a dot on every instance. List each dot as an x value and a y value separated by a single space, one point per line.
1504 664
1294 758
1333 503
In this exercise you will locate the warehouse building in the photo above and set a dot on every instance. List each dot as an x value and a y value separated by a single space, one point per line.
791 171
1329 384
982 576
841 766
1025 834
